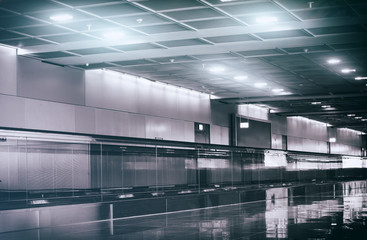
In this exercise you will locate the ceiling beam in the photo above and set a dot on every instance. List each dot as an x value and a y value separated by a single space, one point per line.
288 98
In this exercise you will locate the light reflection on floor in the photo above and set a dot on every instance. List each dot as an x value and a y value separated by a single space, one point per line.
322 216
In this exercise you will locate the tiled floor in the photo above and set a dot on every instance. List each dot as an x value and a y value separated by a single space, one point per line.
321 216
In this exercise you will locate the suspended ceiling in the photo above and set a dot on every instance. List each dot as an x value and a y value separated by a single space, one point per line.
220 47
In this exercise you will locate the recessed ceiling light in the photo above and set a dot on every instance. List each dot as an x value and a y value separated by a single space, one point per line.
216 69
260 84
61 17
316 103
277 90
333 61
325 106
240 78
114 35
351 115
358 117
360 78
364 120
348 70
266 19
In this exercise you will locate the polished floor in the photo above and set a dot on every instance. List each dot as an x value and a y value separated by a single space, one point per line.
319 216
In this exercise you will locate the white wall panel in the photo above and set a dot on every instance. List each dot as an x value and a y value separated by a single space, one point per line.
178 130
85 120
215 134
109 122
136 125
49 115
225 135
8 66
306 128
189 132
12 111
49 82
158 127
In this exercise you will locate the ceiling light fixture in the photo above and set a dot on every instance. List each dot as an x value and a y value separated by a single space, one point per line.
260 84
325 106
316 103
348 70
266 19
333 61
360 78
61 17
114 35
277 90
351 115
364 120
240 78
216 69
358 117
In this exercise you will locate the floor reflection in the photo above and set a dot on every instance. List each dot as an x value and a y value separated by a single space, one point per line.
329 215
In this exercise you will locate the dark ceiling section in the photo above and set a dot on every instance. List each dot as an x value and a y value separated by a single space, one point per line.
233 49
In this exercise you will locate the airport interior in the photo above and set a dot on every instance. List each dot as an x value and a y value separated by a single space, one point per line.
183 119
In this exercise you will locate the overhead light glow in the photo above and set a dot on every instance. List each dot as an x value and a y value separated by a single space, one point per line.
226 0
216 69
364 120
316 103
115 35
332 140
266 19
351 115
61 17
240 78
325 106
277 90
328 125
260 84
333 61
358 117
360 78
347 70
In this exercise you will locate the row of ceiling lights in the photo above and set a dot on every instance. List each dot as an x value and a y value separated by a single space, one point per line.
219 70
328 107
335 61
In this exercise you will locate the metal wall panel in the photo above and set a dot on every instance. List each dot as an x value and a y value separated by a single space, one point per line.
136 125
189 132
225 135
85 121
278 125
306 128
158 127
348 137
178 130
108 122
8 60
215 134
276 141
49 116
12 111
49 82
